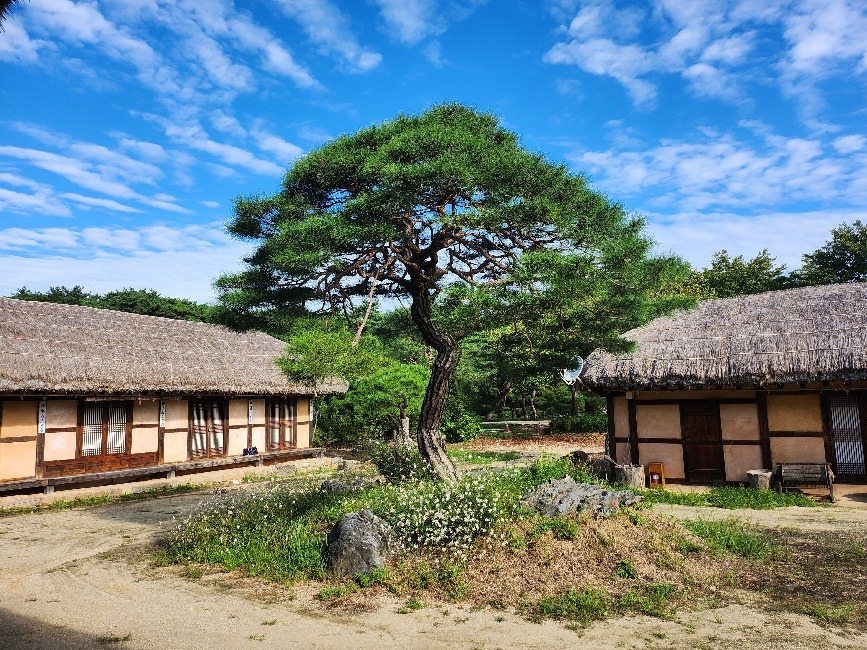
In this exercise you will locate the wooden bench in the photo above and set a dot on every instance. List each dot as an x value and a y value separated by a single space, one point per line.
805 475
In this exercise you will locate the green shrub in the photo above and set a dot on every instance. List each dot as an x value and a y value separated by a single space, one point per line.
398 462
581 423
651 599
829 614
626 569
459 423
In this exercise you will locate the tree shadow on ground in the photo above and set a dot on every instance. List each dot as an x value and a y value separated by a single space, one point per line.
18 632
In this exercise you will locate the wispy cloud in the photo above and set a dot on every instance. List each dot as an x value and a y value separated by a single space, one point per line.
325 24
168 259
194 136
39 202
718 170
709 44
87 165
16 45
283 151
411 21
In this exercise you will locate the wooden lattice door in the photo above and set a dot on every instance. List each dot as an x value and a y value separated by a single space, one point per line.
702 441
845 420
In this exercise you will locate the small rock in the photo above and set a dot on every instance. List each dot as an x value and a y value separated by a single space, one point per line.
359 542
578 456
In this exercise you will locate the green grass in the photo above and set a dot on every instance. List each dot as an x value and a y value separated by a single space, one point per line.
731 535
469 457
651 599
582 606
626 569
733 498
829 614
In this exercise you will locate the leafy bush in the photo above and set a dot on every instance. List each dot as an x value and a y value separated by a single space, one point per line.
626 569
398 462
581 423
459 423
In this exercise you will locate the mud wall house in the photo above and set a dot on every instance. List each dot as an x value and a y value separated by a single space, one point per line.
743 383
91 393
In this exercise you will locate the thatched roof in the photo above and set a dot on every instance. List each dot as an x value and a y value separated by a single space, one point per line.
808 334
50 348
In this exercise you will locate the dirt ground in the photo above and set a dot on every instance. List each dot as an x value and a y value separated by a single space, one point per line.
75 579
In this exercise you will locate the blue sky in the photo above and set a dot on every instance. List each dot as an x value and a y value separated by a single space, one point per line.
128 126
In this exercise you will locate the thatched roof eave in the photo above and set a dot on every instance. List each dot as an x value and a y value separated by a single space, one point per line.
47 348
795 336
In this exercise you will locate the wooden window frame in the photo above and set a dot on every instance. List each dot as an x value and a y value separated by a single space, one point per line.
103 455
289 441
209 427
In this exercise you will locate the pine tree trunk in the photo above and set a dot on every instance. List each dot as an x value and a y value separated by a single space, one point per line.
573 388
448 353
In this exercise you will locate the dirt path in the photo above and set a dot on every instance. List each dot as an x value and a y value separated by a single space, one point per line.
68 584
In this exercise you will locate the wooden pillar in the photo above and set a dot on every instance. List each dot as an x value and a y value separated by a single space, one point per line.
610 444
633 431
764 435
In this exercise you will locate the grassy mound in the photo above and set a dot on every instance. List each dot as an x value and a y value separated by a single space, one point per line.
470 541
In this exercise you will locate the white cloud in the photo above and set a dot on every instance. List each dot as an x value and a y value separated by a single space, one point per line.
192 135
97 202
164 258
625 63
719 171
227 124
89 166
284 151
324 24
20 181
72 169
16 45
149 150
40 203
411 21
216 19
850 143
711 44
210 204
84 24
787 235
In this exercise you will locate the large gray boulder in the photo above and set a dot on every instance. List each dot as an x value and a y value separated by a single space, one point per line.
358 543
332 486
564 496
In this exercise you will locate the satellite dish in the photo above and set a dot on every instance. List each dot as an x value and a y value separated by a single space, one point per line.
570 375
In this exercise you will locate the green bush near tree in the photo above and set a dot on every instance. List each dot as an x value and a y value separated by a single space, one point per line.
581 423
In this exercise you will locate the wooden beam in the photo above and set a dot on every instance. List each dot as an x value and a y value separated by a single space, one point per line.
764 438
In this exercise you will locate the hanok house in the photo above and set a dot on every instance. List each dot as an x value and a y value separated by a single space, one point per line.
97 395
743 383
